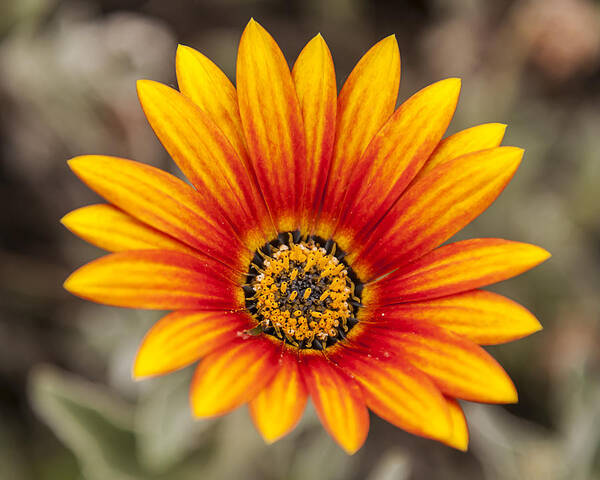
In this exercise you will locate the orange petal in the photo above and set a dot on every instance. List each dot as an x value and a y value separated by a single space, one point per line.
338 401
460 431
398 392
279 406
207 159
436 207
396 154
272 122
207 86
182 337
459 367
483 317
163 202
480 137
459 267
314 77
365 103
156 279
232 376
112 229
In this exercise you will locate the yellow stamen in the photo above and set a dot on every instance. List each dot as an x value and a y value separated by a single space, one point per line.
283 295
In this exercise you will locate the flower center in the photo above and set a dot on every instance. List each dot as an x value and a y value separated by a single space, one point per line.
302 291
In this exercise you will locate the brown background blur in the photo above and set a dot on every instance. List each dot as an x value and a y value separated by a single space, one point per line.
68 408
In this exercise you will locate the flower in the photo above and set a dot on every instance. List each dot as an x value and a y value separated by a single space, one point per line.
306 258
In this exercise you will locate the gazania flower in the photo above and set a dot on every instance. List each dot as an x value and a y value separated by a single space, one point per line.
305 260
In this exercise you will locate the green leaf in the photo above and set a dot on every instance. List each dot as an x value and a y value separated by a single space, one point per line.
95 425
166 429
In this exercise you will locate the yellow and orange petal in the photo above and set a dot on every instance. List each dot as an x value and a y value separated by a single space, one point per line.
435 207
374 82
207 158
162 201
231 376
155 279
398 392
394 156
208 87
114 230
280 167
304 259
278 407
483 317
338 400
459 267
314 79
183 337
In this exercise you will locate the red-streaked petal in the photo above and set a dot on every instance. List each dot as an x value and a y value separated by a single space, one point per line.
163 202
112 229
459 367
460 431
483 317
272 123
338 401
279 406
436 207
397 392
395 155
183 337
480 137
459 267
208 87
232 376
207 159
155 279
314 77
365 103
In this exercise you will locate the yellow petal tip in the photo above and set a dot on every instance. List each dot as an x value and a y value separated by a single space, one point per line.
65 219
69 284
453 84
390 42
144 84
270 439
252 23
140 370
462 447
75 162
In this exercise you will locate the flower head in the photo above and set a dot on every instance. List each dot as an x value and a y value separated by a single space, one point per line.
305 260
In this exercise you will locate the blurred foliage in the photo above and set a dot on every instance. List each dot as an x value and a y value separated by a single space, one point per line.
68 406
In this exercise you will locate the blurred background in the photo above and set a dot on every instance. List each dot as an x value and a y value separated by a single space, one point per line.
68 406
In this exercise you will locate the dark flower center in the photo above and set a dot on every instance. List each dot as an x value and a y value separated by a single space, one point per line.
302 291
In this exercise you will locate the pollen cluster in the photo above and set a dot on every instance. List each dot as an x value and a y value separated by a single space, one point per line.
303 294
